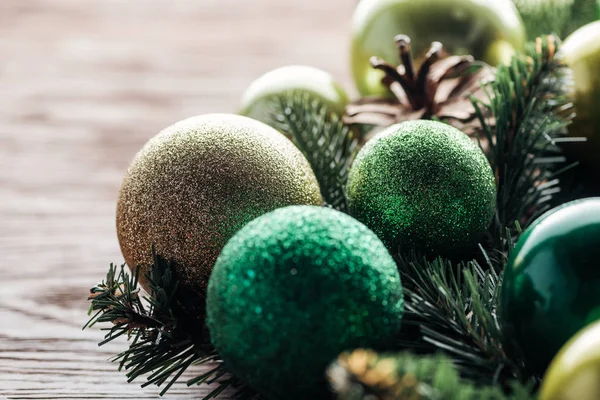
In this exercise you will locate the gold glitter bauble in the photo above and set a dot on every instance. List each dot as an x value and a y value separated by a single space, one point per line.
196 183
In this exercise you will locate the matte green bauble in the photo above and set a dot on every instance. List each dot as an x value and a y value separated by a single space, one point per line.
574 374
258 99
487 29
292 290
423 185
581 52
551 284
196 183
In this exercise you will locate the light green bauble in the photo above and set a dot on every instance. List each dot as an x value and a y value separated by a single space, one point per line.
196 183
581 52
574 374
258 99
292 290
423 185
489 30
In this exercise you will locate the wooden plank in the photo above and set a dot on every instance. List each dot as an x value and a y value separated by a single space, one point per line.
83 84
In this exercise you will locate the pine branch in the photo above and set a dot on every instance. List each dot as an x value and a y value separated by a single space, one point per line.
582 12
453 308
530 111
328 144
560 17
366 375
542 17
162 345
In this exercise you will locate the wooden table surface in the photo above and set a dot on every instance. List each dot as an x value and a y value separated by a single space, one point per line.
83 84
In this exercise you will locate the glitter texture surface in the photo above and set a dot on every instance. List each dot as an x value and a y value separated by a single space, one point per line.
423 185
198 182
292 290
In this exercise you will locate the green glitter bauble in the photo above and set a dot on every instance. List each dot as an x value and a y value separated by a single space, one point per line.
292 290
551 285
195 184
258 98
423 185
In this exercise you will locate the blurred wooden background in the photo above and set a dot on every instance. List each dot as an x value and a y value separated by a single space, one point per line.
83 84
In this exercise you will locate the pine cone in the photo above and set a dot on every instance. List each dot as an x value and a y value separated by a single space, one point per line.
441 88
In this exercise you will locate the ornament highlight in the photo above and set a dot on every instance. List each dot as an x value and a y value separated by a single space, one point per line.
581 52
574 373
552 280
293 289
196 183
423 185
256 101
464 26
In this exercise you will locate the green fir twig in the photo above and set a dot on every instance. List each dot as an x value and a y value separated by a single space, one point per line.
525 119
560 17
454 309
328 144
161 345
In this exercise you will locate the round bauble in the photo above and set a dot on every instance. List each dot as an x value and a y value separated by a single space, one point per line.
463 26
196 183
423 185
581 52
292 290
258 99
552 280
575 371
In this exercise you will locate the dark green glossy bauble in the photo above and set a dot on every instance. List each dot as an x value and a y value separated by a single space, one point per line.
196 183
552 280
487 29
574 374
257 101
423 185
581 52
292 290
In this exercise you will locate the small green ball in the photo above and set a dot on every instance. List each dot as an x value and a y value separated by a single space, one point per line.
257 99
423 185
292 290
551 285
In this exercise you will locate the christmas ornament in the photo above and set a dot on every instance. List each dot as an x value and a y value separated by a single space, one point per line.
552 280
575 371
292 290
258 98
560 17
581 52
197 183
464 26
424 185
441 88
